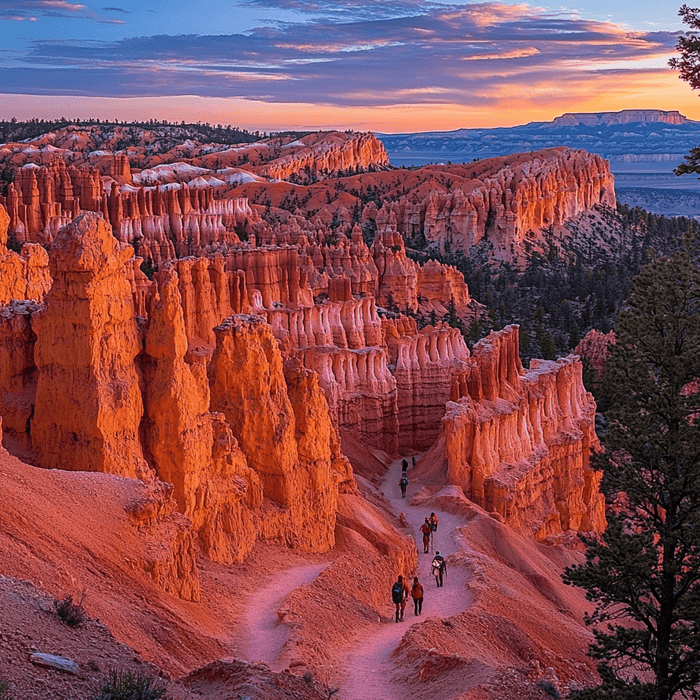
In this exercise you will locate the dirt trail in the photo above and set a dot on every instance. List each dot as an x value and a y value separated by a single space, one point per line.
265 636
368 672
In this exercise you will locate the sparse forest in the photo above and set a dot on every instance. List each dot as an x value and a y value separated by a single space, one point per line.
14 130
557 300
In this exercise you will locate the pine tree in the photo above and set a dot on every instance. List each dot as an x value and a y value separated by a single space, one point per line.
688 46
644 573
451 317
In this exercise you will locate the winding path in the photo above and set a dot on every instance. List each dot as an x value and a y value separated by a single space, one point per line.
265 636
369 670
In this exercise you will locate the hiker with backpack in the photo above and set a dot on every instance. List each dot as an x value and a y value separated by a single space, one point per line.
433 522
427 532
399 593
438 568
403 484
404 466
417 595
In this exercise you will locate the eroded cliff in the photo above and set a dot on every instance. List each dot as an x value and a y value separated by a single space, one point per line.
519 443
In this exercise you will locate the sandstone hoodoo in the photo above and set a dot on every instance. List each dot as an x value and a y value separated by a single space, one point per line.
230 346
88 402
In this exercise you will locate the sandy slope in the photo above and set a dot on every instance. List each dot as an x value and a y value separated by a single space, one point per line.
502 624
266 637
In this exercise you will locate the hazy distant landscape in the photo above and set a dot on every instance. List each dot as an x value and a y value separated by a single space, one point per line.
642 154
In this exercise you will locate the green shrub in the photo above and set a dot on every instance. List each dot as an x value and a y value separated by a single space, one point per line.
71 612
5 691
125 685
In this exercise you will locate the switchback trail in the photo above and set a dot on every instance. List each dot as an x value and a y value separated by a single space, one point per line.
265 636
368 671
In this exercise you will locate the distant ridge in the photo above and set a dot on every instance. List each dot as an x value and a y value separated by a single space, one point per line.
628 136
625 116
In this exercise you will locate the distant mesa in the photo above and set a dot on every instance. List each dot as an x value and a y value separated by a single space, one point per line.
626 116
628 136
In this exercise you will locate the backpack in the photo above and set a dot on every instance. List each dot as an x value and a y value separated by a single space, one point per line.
404 481
436 566
397 592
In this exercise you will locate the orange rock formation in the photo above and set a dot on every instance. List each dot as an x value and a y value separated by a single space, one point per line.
265 333
88 402
282 424
519 443
187 445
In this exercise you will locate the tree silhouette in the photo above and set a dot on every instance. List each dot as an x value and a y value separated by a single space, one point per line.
644 573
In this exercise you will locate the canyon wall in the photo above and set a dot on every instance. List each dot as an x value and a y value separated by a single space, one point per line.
161 222
229 363
360 153
508 202
88 385
519 442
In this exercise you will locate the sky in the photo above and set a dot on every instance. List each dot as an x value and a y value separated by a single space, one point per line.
383 65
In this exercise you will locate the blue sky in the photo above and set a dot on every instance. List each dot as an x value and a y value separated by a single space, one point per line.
384 64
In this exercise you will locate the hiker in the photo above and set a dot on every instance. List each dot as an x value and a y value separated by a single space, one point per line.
399 591
438 568
403 484
406 594
427 531
413 459
433 522
417 595
404 466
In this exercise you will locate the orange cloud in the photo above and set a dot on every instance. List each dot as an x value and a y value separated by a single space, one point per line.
611 92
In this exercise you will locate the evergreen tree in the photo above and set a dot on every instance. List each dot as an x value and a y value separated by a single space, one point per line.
451 317
644 573
688 63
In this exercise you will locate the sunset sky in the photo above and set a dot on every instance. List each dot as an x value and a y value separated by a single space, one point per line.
385 65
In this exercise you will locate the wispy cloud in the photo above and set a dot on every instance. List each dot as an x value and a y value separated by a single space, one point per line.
352 9
18 18
31 10
116 9
432 54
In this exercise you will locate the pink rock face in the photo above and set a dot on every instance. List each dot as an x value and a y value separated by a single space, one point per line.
88 402
361 391
526 194
595 347
428 368
519 444
22 276
17 369
164 224
357 152
44 198
398 275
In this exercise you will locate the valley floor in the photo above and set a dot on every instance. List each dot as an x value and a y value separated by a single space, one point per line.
369 671
502 624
